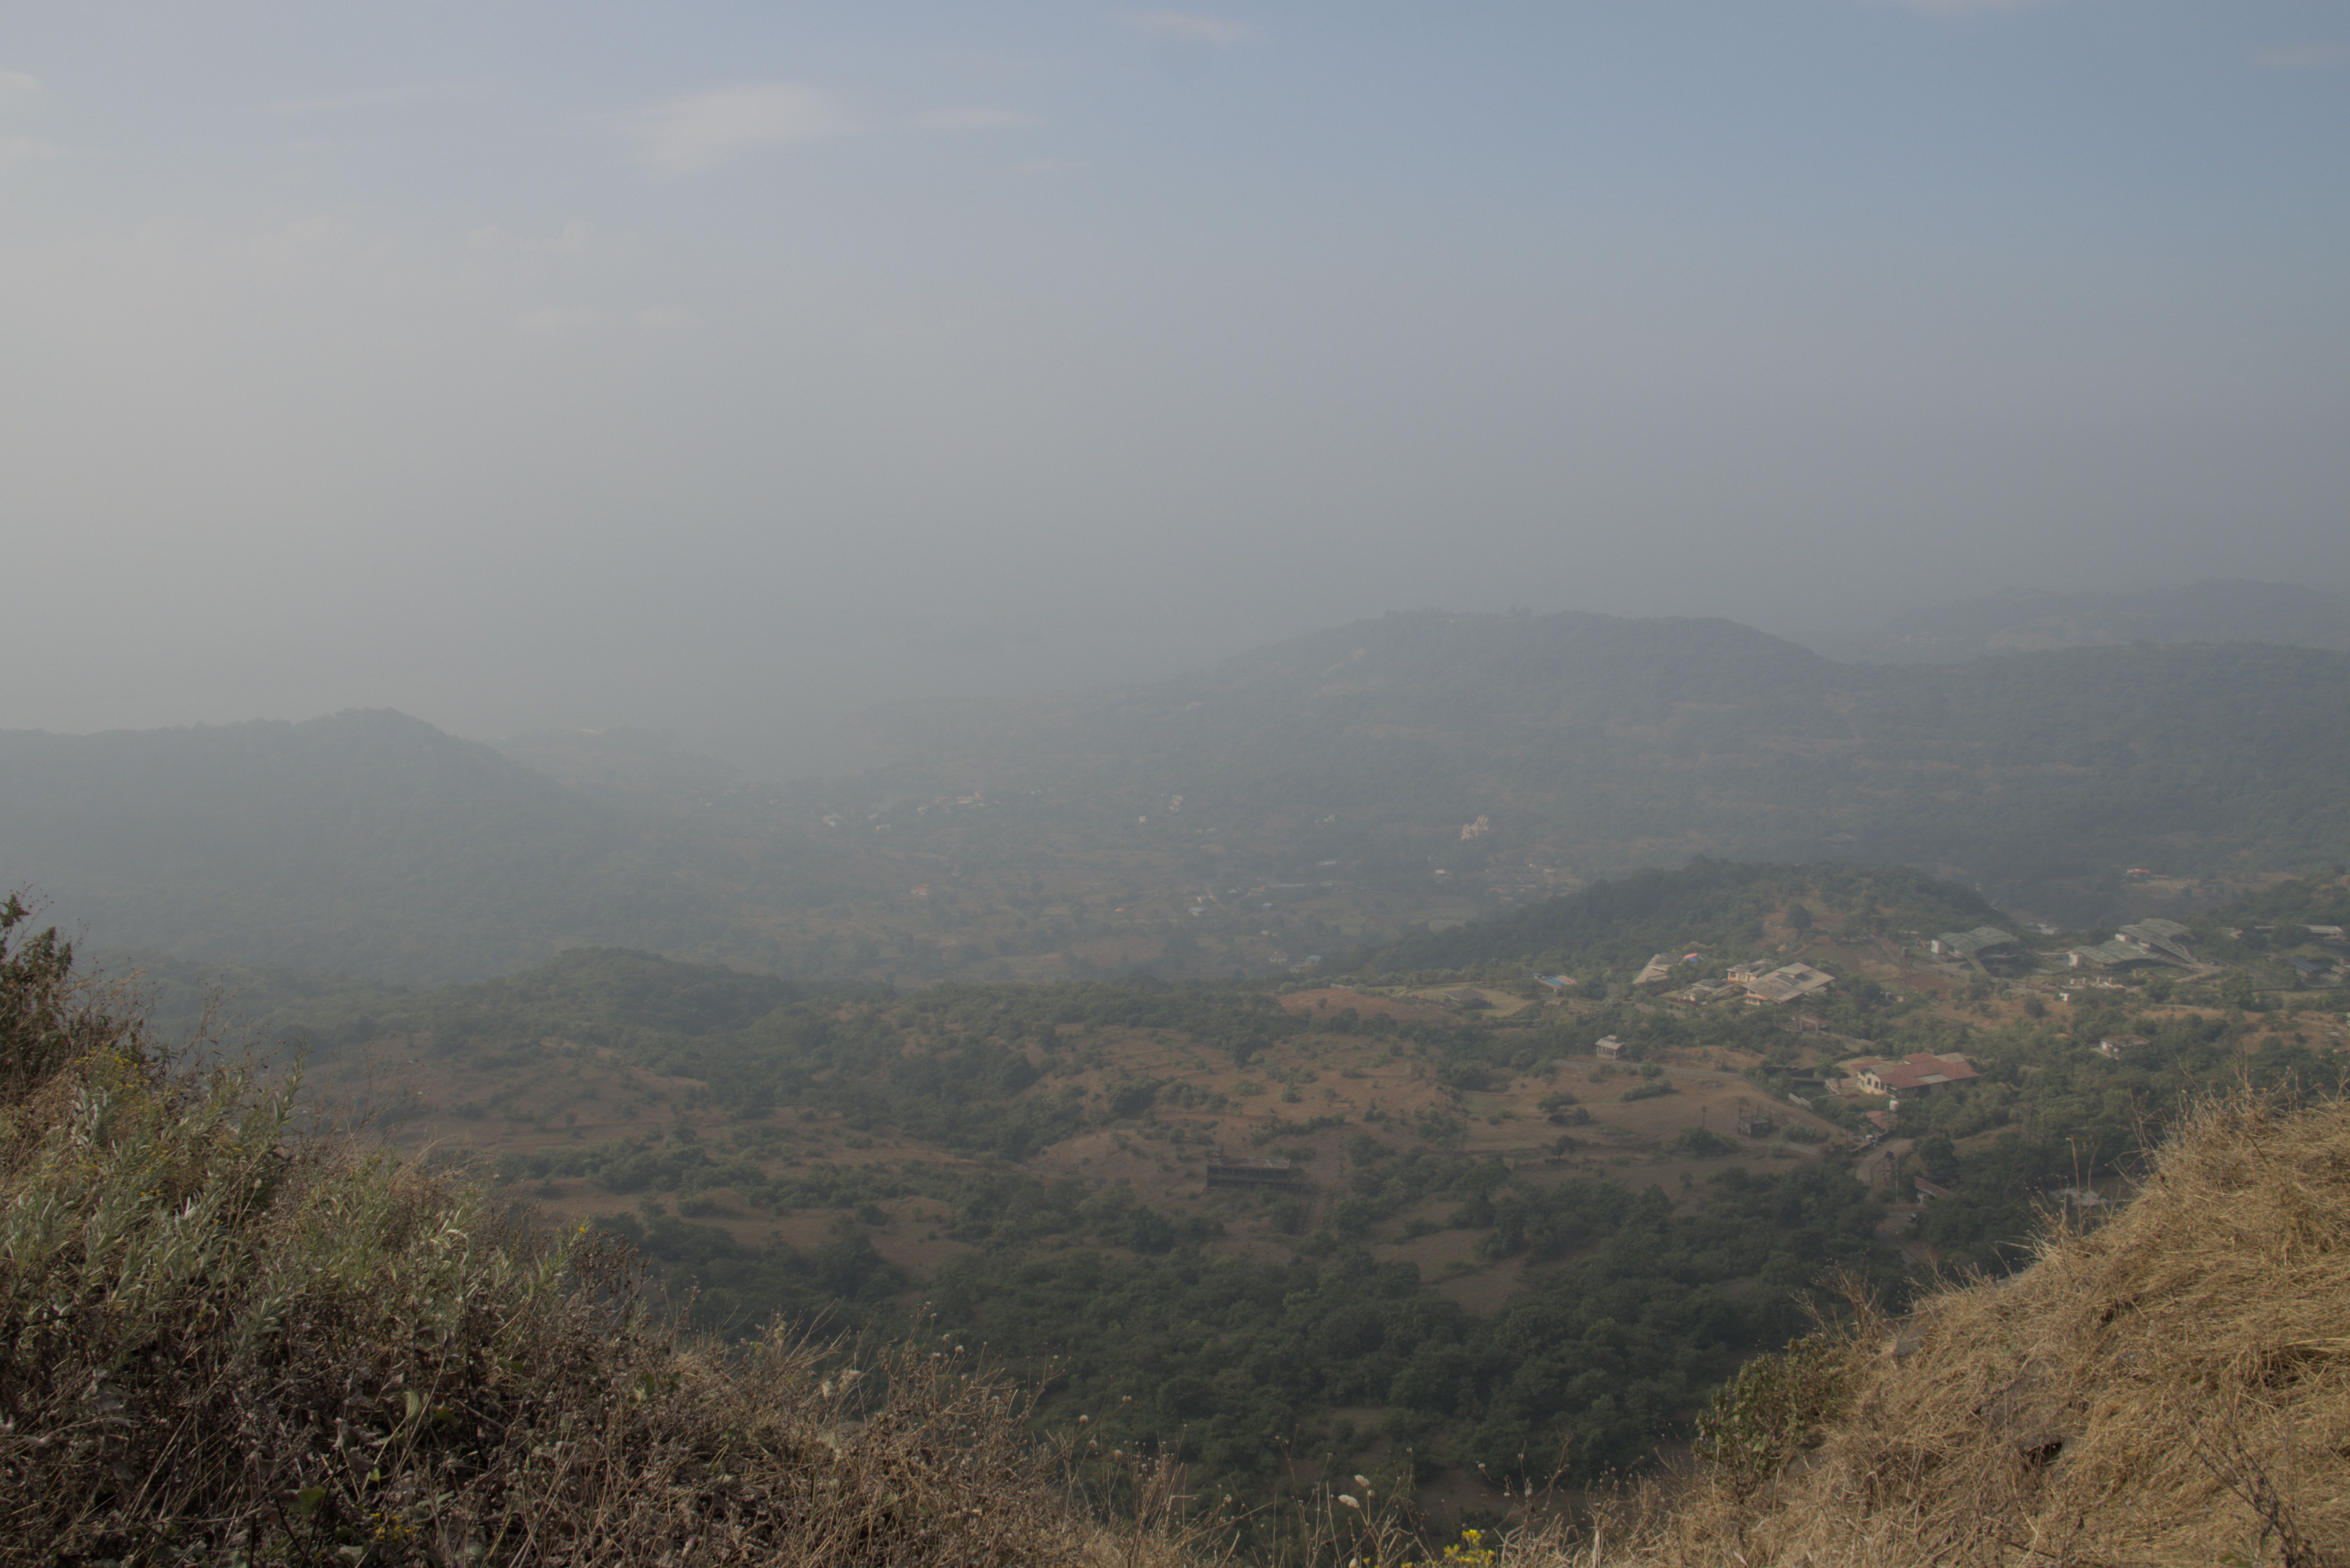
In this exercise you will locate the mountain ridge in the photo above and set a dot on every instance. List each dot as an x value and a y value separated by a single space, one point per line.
365 841
1603 743
1305 798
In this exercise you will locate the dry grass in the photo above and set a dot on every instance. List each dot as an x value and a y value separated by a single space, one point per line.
219 1342
2173 1387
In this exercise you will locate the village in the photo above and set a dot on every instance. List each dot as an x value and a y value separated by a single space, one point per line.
1879 1103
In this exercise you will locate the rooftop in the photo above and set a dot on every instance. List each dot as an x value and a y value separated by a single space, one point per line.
2115 954
1983 938
1788 982
1921 1070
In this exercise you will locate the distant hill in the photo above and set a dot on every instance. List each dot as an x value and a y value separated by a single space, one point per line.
1288 805
1600 743
631 767
369 843
2028 621
1718 905
1408 712
2321 900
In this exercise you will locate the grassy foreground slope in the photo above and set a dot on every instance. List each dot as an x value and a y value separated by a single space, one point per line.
2173 1387
226 1344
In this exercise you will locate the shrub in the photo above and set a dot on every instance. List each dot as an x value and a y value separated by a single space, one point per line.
1701 1143
1775 1405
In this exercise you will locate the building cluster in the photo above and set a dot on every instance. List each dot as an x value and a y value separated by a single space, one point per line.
1919 1072
1786 984
1757 983
1979 948
2147 941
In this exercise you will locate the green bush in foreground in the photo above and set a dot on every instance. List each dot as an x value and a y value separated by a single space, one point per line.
1775 1405
220 1342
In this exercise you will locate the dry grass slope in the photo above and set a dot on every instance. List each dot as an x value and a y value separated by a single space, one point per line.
2173 1387
223 1344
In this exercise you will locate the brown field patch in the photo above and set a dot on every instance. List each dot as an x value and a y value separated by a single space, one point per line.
553 1096
1367 1004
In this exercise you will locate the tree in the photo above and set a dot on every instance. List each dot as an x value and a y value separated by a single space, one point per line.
1938 1157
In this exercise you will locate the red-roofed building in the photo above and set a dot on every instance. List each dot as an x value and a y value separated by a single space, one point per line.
1915 1074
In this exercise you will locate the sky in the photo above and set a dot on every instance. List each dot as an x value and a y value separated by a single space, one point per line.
724 369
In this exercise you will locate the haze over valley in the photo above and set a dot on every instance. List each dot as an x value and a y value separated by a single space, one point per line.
1281 808
1532 787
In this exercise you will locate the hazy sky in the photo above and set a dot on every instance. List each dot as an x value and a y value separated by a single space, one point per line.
720 367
